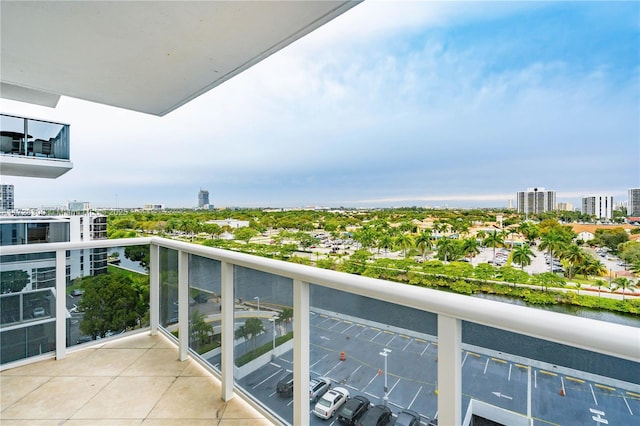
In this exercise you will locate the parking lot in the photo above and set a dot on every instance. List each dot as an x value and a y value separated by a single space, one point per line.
547 395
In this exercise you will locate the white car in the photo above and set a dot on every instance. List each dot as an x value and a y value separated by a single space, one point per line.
331 402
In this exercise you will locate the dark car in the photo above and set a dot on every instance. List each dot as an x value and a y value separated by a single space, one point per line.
378 415
407 418
285 385
352 410
201 298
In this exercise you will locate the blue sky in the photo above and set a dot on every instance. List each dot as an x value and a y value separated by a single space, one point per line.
391 104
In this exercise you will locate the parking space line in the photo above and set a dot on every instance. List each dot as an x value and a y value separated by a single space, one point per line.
425 348
347 329
333 368
593 394
465 358
314 364
372 395
393 387
564 391
414 398
627 404
486 364
509 377
374 337
392 339
408 343
337 322
274 374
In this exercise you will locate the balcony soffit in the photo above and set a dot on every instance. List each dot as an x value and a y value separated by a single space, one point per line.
146 56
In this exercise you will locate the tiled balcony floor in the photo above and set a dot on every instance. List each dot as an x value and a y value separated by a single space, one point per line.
137 380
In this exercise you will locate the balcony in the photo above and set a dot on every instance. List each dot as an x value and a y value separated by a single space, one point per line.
34 148
449 357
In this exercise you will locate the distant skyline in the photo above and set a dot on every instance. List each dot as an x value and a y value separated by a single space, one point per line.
391 104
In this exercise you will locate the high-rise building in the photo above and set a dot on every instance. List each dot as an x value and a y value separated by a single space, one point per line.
633 203
600 206
6 197
536 201
203 198
567 207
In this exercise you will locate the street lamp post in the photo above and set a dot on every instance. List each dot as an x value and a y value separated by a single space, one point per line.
385 399
258 299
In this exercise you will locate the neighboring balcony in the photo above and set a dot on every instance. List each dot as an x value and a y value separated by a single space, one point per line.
450 358
33 148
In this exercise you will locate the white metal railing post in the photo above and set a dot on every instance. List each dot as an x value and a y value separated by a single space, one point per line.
227 330
183 304
300 353
61 303
154 288
449 370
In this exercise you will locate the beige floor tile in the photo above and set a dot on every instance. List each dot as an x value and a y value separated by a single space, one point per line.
14 388
190 397
59 398
141 340
157 362
103 422
50 422
104 362
125 398
180 422
245 422
238 409
194 369
50 367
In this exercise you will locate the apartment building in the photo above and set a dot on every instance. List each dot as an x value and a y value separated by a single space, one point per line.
633 203
600 206
536 201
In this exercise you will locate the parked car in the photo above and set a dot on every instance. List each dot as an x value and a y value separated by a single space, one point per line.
77 292
407 418
201 298
38 312
285 385
378 415
353 409
318 387
331 402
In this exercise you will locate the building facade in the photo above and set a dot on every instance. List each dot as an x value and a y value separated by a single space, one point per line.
600 206
6 197
203 198
566 207
633 203
536 201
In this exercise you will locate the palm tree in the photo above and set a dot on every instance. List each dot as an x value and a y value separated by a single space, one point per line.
423 241
494 239
470 247
385 242
623 283
522 255
404 241
591 267
446 249
553 242
574 255
600 284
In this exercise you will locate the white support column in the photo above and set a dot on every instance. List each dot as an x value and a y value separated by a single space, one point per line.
61 303
154 288
227 326
449 370
183 304
300 353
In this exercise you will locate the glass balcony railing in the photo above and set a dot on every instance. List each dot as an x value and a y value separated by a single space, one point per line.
270 329
33 138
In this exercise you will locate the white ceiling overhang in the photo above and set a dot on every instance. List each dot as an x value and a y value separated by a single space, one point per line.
147 56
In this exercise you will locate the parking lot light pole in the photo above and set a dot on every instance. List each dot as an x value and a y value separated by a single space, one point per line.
258 299
385 399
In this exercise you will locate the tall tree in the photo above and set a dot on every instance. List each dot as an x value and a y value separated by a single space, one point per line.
553 242
624 284
574 255
494 239
404 242
522 256
470 247
423 241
